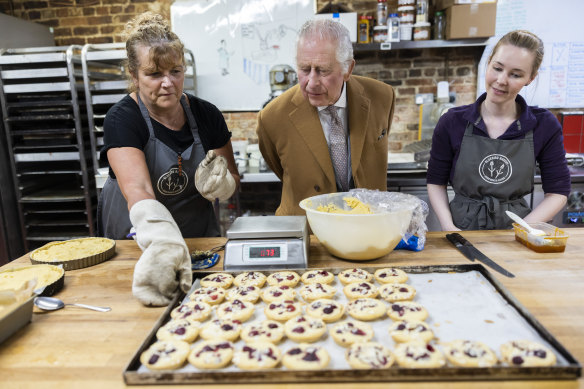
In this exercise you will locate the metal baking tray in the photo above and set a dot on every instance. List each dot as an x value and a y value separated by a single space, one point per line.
445 303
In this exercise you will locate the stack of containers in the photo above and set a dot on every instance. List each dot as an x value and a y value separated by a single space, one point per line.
422 27
406 10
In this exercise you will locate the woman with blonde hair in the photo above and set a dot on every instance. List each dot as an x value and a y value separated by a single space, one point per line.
488 150
170 156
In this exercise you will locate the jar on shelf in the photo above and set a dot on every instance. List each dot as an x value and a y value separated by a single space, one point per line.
439 25
407 14
422 31
363 29
379 34
405 31
393 32
381 12
422 11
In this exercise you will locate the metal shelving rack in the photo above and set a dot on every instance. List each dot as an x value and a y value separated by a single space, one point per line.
44 113
105 83
428 44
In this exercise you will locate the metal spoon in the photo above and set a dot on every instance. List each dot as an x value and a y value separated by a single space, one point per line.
531 230
51 304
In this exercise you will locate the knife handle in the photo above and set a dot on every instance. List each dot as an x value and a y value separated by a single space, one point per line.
455 238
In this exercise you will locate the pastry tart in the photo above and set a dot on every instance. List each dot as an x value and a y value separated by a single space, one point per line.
49 277
75 253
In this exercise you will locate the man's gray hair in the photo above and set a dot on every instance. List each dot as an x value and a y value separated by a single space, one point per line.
332 31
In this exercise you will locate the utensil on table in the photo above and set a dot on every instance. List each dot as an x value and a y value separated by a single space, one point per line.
472 253
523 223
51 304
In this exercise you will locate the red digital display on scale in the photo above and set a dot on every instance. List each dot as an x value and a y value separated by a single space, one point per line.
264 252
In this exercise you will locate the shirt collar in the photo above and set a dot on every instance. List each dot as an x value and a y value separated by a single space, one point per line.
341 102
526 118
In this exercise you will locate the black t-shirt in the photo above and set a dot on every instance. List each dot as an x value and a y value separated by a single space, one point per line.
125 127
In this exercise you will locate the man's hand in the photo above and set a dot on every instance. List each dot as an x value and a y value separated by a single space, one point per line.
165 264
213 179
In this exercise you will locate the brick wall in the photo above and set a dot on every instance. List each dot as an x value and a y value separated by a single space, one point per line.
409 71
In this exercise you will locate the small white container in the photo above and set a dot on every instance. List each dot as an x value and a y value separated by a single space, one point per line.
393 32
405 31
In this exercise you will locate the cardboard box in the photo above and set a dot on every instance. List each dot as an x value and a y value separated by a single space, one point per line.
443 4
471 21
347 19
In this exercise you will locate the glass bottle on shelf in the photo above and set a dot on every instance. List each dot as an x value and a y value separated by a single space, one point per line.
439 24
381 12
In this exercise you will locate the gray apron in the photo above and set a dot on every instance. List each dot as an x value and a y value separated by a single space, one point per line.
491 176
192 213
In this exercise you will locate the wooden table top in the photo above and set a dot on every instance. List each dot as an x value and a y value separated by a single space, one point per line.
78 348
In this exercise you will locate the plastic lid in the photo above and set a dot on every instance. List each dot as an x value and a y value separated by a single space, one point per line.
439 13
422 24
406 8
393 15
380 28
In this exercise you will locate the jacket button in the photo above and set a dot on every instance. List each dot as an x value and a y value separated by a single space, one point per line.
317 188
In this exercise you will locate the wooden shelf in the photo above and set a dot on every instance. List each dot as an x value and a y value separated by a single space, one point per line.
429 44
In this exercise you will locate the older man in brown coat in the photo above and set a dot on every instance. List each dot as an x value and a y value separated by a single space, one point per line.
328 133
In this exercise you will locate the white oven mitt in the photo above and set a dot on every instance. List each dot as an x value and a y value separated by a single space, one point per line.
213 179
165 263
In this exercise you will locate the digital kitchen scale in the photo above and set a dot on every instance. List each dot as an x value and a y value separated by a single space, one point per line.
267 242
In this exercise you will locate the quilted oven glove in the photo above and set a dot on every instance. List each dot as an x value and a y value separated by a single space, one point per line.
165 263
213 179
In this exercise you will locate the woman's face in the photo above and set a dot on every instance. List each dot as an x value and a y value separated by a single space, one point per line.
508 71
158 88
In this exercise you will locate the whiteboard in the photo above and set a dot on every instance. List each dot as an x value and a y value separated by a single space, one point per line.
236 43
560 82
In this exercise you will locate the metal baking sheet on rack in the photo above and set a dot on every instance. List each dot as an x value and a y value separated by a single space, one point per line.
464 302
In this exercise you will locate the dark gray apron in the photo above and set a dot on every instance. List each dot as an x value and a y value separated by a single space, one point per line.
491 176
192 212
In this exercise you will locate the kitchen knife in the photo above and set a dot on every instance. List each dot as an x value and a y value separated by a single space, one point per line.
472 253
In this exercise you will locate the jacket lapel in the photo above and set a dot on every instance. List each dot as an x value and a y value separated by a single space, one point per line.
305 119
358 112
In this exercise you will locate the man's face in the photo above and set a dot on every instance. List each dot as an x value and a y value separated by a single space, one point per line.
319 73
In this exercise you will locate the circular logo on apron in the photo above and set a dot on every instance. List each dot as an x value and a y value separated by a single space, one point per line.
171 183
495 169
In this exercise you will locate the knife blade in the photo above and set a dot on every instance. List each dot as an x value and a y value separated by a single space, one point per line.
459 241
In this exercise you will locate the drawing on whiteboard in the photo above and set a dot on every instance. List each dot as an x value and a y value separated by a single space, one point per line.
224 55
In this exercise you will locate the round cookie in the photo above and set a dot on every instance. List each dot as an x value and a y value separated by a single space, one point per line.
179 329
320 276
257 355
349 276
408 330
165 355
366 309
278 292
306 357
284 277
310 292
282 310
235 310
468 353
407 310
211 354
397 292
254 278
348 332
369 355
192 310
266 331
418 354
226 329
208 294
390 275
362 289
304 329
249 293
220 280
527 353
326 309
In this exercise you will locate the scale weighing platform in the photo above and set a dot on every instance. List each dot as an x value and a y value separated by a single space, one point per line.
267 242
